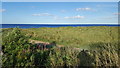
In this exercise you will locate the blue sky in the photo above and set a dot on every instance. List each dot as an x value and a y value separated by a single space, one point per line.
59 12
0 13
60 0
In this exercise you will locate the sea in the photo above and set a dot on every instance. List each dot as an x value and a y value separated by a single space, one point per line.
51 25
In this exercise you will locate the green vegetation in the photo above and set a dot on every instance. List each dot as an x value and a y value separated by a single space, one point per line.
74 36
101 54
101 42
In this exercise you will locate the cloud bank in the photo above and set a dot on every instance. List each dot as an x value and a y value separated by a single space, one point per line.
74 17
83 9
43 14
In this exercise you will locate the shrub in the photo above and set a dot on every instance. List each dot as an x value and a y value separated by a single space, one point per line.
14 46
101 54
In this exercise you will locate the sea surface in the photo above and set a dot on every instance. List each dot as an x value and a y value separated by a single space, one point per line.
50 25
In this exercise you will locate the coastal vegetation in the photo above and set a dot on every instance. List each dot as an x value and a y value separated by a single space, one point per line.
82 46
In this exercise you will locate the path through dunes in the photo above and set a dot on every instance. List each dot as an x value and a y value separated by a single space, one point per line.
47 43
36 41
42 42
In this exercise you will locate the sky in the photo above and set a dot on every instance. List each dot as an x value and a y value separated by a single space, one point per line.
60 0
59 12
0 13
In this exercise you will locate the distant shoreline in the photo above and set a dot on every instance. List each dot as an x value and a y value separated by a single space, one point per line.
52 25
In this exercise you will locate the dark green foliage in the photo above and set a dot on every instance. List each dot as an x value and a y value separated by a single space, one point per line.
100 54
64 56
14 46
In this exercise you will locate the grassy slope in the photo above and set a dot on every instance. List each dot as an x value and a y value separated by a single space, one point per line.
74 36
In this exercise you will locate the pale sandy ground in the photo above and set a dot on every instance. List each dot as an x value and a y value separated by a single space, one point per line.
37 42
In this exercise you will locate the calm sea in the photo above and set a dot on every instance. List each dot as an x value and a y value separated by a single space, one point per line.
51 25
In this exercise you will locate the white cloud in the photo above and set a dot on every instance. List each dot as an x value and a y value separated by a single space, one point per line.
116 13
63 11
2 10
83 9
74 17
42 14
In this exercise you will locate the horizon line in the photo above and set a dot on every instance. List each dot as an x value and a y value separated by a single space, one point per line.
62 23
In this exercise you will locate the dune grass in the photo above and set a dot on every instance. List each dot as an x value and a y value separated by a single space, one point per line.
74 36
